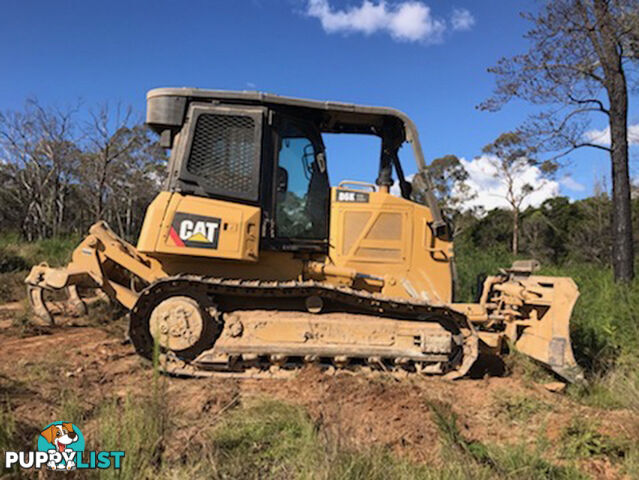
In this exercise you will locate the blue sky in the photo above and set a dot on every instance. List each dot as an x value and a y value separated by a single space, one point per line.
59 51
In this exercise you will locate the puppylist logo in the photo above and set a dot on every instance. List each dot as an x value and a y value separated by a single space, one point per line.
61 447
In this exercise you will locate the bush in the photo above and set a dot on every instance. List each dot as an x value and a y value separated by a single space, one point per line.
605 321
10 262
472 262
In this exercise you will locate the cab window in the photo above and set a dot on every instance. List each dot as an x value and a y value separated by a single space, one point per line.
302 187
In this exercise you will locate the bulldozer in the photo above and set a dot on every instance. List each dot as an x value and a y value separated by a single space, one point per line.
249 260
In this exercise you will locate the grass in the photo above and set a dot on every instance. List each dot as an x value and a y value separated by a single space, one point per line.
17 254
604 327
7 427
17 257
280 440
518 407
71 409
519 461
260 438
605 320
581 439
472 263
137 426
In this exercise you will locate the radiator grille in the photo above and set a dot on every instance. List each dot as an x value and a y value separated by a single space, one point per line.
223 154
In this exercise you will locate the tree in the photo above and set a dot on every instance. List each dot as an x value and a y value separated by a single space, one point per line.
580 57
55 182
510 159
136 178
40 158
122 168
449 180
109 134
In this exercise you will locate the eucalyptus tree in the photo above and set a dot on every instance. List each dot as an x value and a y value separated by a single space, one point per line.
582 58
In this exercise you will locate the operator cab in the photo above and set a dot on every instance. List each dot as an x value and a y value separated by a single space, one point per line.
267 151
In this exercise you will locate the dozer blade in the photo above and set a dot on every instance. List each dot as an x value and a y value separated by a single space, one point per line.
545 336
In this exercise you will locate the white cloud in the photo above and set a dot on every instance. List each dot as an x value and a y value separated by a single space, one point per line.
462 19
571 184
602 137
409 21
491 191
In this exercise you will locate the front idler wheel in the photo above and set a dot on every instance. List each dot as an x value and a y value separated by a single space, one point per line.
181 326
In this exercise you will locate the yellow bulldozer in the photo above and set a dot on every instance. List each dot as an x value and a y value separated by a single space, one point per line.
250 261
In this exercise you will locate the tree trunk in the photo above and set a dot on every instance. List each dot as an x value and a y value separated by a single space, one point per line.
515 231
617 89
622 243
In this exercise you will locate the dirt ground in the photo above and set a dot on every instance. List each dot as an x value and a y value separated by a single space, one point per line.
38 366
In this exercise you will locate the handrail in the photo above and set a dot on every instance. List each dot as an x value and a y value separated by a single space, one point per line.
357 183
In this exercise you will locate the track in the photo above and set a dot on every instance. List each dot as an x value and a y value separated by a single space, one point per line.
281 306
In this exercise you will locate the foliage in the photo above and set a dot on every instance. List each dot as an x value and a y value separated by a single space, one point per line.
7 427
578 65
17 257
60 175
605 321
473 263
280 439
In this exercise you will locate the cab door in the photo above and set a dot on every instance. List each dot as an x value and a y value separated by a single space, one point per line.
300 185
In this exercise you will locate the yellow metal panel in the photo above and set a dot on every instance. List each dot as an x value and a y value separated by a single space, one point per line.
379 234
202 227
153 218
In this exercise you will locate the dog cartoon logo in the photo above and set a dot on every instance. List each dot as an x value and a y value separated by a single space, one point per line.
61 440
61 447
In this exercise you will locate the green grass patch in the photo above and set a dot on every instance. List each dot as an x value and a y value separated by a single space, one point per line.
269 439
135 426
605 321
7 427
71 408
478 460
473 263
265 439
19 254
581 439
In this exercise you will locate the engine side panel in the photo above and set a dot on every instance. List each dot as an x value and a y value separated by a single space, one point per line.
195 226
382 235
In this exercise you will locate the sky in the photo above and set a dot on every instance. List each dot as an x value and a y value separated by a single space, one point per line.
427 58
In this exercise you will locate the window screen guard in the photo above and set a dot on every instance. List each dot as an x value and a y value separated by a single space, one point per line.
223 151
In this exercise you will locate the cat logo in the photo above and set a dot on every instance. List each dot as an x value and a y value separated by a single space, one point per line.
195 231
